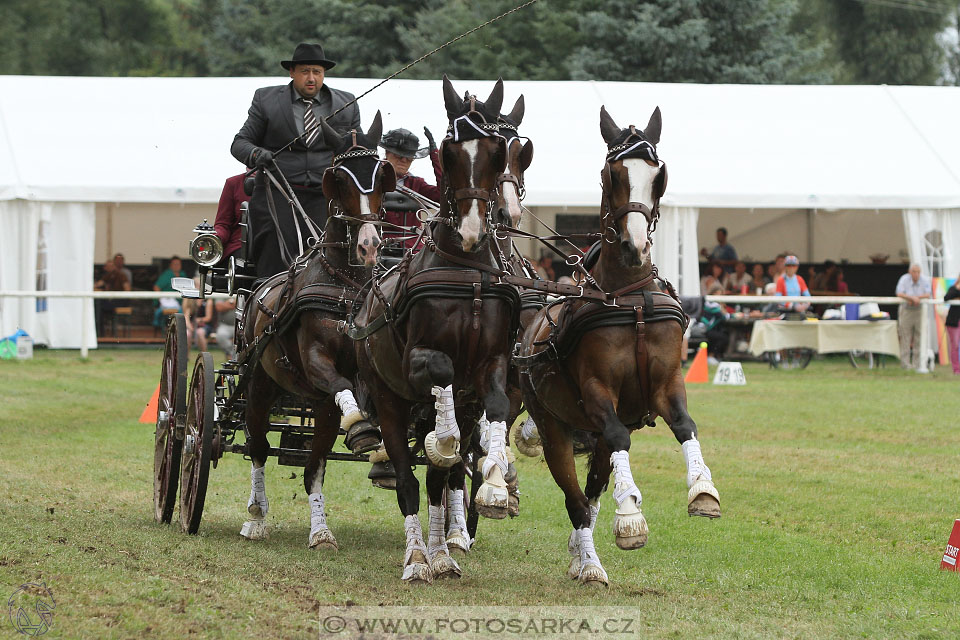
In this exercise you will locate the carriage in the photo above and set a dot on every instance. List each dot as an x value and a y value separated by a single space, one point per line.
442 349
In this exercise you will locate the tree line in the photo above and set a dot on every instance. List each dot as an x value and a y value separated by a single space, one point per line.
708 41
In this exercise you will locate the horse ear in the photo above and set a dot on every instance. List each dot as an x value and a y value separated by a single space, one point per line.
516 116
652 132
331 137
376 128
526 155
451 100
330 189
388 178
495 99
608 128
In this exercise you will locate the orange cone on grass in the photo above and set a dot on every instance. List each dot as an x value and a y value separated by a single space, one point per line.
150 411
698 369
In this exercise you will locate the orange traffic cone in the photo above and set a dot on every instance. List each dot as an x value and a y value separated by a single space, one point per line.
698 368
150 411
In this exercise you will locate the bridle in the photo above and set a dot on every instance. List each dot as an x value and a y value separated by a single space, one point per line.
503 177
634 146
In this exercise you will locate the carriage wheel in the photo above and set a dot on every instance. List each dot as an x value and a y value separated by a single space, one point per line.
171 404
197 444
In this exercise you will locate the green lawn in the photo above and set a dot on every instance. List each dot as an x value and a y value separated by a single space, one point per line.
839 488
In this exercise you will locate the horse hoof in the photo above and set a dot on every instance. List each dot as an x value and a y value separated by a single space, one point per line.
704 505
703 499
573 571
441 454
254 530
531 449
492 501
444 567
383 475
417 573
362 437
593 576
457 544
513 505
630 531
323 539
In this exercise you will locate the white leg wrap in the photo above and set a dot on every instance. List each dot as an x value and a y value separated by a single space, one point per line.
629 526
436 540
493 498
257 505
590 568
624 487
446 415
457 536
415 567
497 448
320 534
527 439
529 431
348 407
696 467
484 425
573 542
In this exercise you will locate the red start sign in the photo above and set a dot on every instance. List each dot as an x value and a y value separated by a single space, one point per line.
950 556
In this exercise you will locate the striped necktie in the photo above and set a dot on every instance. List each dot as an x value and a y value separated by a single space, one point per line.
309 122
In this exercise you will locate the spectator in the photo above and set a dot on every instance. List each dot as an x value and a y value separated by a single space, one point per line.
791 284
227 223
953 325
545 267
226 326
199 318
112 279
833 282
777 268
760 280
913 287
119 263
165 283
739 281
712 283
724 254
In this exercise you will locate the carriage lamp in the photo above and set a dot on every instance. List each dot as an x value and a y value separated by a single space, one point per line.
206 249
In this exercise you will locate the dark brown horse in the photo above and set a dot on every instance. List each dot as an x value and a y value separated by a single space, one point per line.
296 319
437 328
612 367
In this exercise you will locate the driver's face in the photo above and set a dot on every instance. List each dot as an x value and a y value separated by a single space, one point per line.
400 164
307 79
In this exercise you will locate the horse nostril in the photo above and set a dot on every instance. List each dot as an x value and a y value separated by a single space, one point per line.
376 242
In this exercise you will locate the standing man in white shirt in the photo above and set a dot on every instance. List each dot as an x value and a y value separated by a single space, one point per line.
913 287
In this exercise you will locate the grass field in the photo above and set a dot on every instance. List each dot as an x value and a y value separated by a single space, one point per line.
839 488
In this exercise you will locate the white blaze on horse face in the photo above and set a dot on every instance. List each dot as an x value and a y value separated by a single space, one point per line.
470 224
641 177
367 241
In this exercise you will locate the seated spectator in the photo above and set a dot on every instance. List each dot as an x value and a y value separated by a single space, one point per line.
112 279
165 283
739 281
712 283
723 254
545 267
226 326
760 279
791 284
776 268
119 262
199 317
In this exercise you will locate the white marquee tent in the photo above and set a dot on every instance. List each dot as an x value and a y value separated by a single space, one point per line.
730 148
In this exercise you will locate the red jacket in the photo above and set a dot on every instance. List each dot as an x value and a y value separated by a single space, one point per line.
227 224
421 186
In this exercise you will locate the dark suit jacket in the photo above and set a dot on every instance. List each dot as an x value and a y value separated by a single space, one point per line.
270 124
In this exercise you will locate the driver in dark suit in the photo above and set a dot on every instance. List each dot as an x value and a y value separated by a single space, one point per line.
277 115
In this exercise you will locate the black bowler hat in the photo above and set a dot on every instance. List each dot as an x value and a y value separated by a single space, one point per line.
403 143
306 53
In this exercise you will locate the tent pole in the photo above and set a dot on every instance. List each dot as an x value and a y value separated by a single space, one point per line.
84 321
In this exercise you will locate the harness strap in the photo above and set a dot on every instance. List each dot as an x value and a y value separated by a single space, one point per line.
473 193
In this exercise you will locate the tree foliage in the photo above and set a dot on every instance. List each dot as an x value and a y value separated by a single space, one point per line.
737 41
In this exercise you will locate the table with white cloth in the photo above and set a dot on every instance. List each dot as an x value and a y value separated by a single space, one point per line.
875 336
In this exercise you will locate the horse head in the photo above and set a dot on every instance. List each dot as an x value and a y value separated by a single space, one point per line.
355 184
634 180
510 185
472 155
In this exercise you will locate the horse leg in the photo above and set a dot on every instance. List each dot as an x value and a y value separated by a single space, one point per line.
458 538
442 565
629 525
324 436
493 497
558 451
394 414
703 499
258 422
432 371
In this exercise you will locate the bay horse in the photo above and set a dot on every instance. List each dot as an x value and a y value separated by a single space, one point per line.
439 327
612 365
291 323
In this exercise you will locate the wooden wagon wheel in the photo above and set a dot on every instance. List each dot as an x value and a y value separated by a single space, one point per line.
197 444
171 406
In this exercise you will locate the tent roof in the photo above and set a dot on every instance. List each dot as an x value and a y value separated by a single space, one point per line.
770 146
